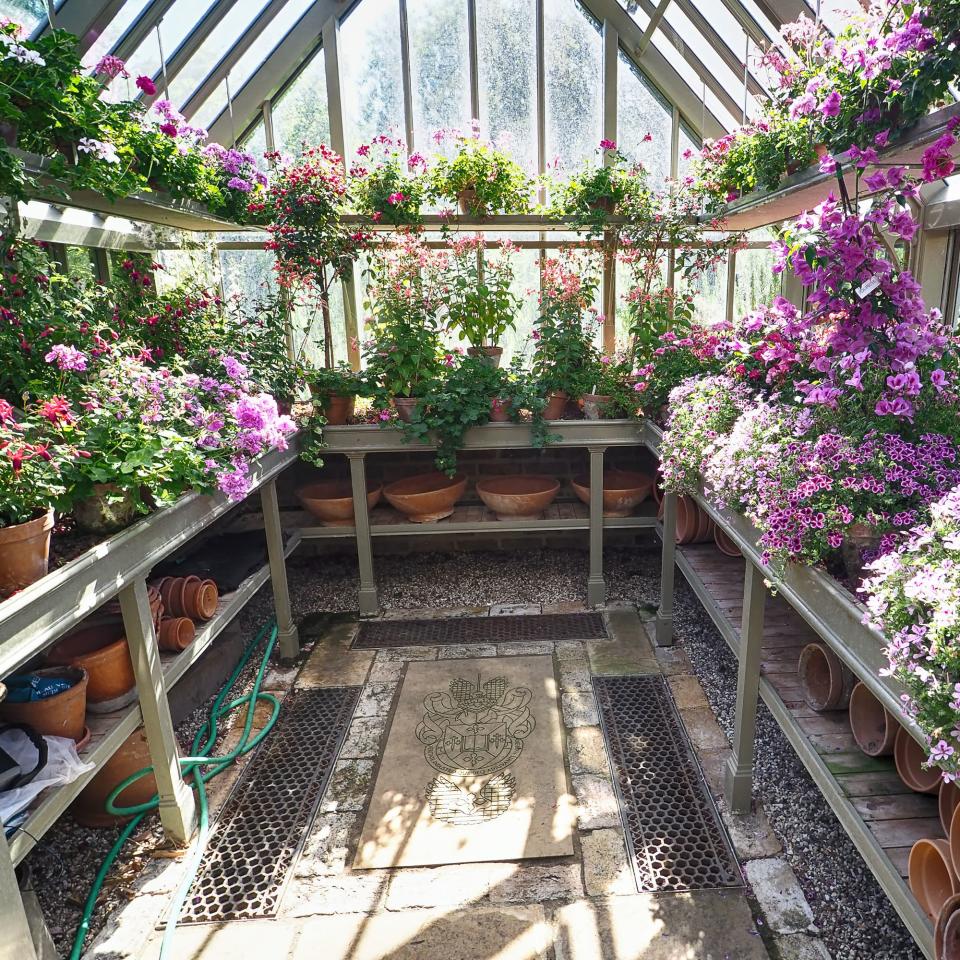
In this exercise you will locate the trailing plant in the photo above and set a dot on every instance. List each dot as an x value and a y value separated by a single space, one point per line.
481 177
913 594
478 296
386 185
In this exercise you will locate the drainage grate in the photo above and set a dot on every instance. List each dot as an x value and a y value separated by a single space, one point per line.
675 836
260 830
510 629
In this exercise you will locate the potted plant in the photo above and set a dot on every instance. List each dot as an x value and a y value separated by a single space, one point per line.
404 351
612 392
479 177
386 185
565 355
479 301
334 391
36 447
313 245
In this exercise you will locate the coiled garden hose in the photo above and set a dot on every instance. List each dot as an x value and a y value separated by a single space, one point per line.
203 768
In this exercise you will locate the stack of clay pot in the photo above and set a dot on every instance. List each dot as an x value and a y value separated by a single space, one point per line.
186 601
934 863
693 523
827 682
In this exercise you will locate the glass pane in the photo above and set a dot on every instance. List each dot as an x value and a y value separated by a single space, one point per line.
439 68
689 147
755 282
246 272
644 122
300 112
188 267
256 143
771 30
371 84
80 264
218 43
573 54
507 67
128 14
30 14
710 293
178 22
308 329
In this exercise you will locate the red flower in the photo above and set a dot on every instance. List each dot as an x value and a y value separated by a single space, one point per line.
170 129
6 412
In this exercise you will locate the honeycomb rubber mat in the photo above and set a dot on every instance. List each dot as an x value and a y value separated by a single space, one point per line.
260 831
455 630
674 834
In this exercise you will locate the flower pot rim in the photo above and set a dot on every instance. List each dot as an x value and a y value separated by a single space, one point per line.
29 529
400 488
536 483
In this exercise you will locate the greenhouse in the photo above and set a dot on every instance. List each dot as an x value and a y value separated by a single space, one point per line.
480 479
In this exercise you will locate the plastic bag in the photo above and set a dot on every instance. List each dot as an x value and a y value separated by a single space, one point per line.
27 687
63 766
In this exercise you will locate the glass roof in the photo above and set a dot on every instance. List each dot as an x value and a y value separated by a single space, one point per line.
704 41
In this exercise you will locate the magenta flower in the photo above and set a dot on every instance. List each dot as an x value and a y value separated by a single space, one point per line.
170 129
396 198
146 85
66 357
608 144
831 105
112 67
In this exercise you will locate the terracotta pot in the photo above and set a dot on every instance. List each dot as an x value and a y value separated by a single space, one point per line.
58 716
705 525
518 497
595 405
857 539
947 801
827 682
24 553
946 935
200 599
467 201
331 501
872 727
491 355
336 408
820 149
605 204
623 490
89 807
100 649
176 634
724 544
499 410
95 514
687 520
932 877
427 497
909 756
556 405
406 407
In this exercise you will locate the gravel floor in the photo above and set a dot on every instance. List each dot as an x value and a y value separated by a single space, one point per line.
854 916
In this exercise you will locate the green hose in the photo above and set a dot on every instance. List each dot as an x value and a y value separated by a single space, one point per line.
200 757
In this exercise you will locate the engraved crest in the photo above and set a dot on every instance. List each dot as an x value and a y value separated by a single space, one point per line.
474 729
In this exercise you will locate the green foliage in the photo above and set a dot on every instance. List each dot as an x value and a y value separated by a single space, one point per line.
478 298
385 185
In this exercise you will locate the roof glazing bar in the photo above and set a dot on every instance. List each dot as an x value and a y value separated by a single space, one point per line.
655 19
140 28
86 19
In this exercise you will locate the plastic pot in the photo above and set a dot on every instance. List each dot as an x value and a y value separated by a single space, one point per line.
931 874
176 634
106 510
89 808
827 683
872 727
61 715
909 757
100 649
24 553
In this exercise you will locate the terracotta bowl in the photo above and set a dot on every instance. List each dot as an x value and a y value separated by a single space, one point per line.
331 501
427 497
622 491
518 497
931 875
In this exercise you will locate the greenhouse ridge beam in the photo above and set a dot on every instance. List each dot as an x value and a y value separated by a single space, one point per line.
285 60
86 19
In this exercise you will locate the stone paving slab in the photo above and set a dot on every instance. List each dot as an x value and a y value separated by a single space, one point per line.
587 752
707 925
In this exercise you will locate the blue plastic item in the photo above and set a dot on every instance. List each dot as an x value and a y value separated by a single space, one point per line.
27 687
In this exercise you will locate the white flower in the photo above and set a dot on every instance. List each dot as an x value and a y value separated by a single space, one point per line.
104 151
19 53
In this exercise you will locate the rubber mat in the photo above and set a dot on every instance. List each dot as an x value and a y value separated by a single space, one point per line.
261 828
454 630
674 834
